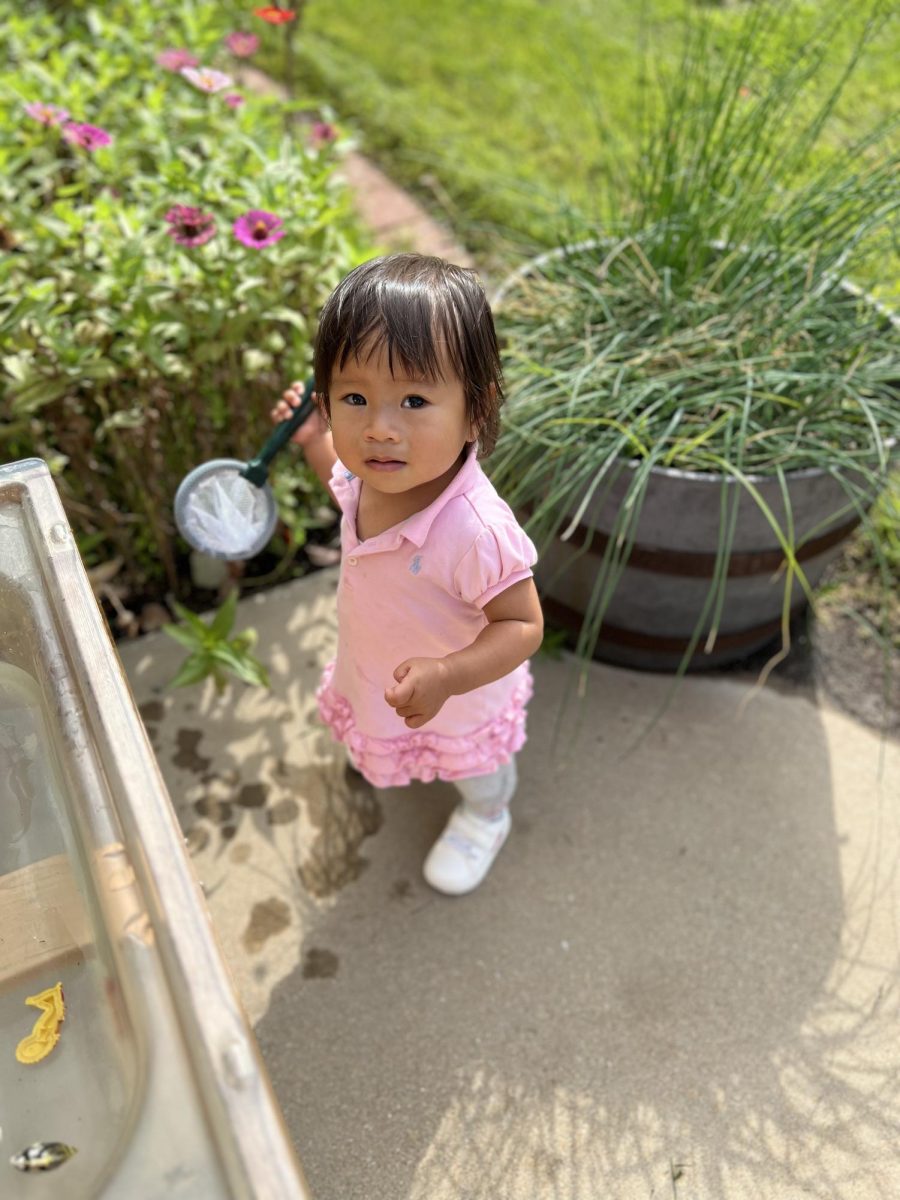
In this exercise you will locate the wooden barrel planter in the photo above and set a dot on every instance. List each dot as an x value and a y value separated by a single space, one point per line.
657 602
664 587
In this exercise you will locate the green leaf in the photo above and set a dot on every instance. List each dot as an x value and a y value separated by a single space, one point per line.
224 618
187 637
252 671
131 418
249 285
193 670
288 315
245 666
224 653
192 619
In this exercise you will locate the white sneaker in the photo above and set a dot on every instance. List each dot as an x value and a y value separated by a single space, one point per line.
462 856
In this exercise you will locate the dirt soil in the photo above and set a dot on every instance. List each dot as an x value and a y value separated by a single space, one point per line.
835 652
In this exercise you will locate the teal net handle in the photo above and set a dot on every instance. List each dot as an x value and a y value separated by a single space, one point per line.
257 469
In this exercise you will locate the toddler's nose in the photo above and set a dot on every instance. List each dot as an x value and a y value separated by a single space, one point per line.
380 427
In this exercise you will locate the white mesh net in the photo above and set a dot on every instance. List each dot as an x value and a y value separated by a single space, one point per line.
226 515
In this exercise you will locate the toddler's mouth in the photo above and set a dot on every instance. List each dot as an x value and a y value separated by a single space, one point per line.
385 464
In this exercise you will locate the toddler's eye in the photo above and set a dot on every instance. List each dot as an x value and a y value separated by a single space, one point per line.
355 400
414 402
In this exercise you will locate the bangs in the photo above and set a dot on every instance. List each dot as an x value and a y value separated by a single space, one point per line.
422 338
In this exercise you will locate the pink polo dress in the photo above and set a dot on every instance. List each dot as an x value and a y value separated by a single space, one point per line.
418 590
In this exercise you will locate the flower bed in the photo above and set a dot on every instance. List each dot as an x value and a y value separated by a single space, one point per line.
168 246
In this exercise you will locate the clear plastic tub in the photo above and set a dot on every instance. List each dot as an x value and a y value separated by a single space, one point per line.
156 1080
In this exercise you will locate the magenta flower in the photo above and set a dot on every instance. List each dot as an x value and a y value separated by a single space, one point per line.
321 133
234 100
242 45
258 229
89 137
176 60
206 79
190 226
47 114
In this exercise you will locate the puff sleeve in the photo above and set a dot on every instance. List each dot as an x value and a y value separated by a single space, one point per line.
500 556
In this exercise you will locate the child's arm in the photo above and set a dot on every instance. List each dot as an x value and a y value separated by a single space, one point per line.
513 633
313 436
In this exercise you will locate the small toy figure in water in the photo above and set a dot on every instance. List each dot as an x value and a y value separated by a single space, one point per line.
45 1034
43 1156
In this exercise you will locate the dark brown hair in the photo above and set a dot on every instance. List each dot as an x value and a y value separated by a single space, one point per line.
428 313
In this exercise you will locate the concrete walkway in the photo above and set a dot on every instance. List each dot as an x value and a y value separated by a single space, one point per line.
680 981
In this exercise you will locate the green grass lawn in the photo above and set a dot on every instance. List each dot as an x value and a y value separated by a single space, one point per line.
509 112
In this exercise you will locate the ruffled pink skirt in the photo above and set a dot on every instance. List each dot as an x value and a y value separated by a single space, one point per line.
420 754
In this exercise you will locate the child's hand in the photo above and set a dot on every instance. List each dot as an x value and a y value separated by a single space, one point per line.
312 428
421 690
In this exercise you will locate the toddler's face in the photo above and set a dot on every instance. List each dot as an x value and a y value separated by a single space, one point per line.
394 432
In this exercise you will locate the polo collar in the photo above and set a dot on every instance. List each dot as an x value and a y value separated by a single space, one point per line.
417 527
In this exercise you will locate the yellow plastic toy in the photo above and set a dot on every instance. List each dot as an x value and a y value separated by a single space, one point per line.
45 1033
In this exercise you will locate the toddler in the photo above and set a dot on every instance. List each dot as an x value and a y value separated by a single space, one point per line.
437 608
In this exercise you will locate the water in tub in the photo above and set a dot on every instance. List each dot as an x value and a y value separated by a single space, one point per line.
80 1092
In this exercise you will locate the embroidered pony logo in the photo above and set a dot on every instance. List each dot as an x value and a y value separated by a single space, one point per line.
416 565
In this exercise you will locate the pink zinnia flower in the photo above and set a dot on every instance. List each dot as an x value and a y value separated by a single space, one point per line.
89 137
190 226
47 114
258 229
206 79
321 133
242 45
234 100
176 60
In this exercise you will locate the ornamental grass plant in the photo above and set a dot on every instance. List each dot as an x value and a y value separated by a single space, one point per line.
166 248
710 328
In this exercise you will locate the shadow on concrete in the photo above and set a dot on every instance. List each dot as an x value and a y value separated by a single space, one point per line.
273 824
664 989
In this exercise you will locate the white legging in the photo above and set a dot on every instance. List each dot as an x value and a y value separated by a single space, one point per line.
488 795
